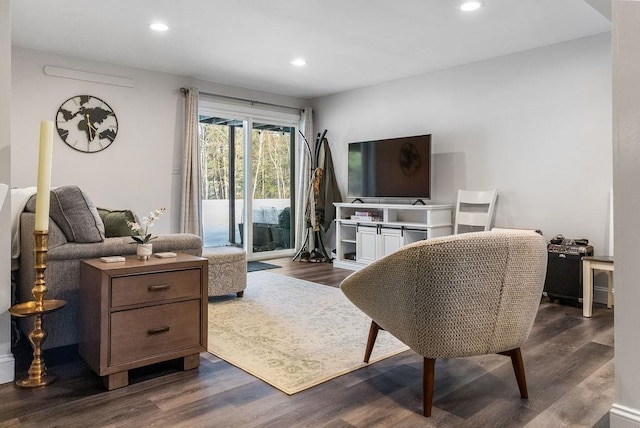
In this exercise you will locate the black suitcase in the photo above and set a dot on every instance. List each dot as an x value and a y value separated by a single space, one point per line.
564 271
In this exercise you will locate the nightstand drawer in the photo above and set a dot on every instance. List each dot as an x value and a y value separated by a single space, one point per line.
142 333
155 287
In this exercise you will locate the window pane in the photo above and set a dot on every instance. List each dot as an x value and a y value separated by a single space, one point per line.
271 176
222 179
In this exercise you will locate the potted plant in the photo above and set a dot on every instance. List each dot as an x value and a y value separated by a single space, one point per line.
143 237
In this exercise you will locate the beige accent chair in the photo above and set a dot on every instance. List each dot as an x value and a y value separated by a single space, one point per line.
456 296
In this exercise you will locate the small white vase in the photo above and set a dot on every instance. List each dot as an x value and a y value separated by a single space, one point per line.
144 251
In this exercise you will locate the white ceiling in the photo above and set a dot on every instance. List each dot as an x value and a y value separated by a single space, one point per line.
249 43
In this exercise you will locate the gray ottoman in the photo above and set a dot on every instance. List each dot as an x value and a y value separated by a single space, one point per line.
227 270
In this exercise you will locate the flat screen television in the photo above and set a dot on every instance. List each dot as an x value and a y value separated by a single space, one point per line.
390 168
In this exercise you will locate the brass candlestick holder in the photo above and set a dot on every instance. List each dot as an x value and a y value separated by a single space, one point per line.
37 308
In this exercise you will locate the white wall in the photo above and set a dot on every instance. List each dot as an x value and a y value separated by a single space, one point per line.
6 357
535 125
626 161
141 169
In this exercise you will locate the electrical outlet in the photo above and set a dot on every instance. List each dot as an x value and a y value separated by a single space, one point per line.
176 170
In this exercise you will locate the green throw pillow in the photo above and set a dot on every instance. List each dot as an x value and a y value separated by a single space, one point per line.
115 222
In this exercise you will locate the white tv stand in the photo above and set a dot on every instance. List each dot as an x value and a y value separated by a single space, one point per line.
360 242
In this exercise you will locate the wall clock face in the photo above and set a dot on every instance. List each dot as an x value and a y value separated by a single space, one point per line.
86 123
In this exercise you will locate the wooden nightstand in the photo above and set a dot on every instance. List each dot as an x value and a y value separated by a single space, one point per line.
135 313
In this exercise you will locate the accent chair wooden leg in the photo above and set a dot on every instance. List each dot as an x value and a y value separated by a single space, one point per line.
428 377
240 293
373 334
518 369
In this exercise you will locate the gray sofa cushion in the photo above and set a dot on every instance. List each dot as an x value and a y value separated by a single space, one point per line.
124 245
75 214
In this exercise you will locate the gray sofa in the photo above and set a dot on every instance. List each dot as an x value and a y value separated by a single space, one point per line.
62 274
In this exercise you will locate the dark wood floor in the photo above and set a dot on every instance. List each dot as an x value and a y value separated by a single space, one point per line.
568 361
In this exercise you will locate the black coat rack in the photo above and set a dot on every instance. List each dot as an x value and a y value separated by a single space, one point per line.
318 254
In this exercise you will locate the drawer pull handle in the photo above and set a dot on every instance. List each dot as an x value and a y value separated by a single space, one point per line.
152 331
159 287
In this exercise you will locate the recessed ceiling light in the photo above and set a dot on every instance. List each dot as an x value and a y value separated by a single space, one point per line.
468 6
159 26
299 62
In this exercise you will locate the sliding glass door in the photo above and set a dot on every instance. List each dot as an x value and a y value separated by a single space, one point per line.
247 188
271 172
221 161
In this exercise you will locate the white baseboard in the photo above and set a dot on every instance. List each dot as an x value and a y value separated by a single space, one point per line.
624 417
7 368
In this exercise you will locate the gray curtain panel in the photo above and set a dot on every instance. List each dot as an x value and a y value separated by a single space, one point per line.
190 214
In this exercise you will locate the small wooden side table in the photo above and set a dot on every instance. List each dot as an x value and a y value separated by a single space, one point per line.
135 313
589 264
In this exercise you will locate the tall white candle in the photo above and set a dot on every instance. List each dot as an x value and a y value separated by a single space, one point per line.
44 175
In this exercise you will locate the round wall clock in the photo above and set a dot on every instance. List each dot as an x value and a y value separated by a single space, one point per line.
86 123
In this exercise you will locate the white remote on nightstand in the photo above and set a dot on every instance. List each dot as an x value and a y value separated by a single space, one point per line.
112 259
166 255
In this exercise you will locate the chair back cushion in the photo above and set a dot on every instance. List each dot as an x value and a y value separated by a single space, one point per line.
456 296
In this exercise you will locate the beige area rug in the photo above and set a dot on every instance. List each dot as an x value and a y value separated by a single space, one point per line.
293 334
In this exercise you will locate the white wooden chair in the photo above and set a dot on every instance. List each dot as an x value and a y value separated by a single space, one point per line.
474 210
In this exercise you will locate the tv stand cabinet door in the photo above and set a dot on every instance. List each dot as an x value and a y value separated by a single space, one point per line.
390 240
367 244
